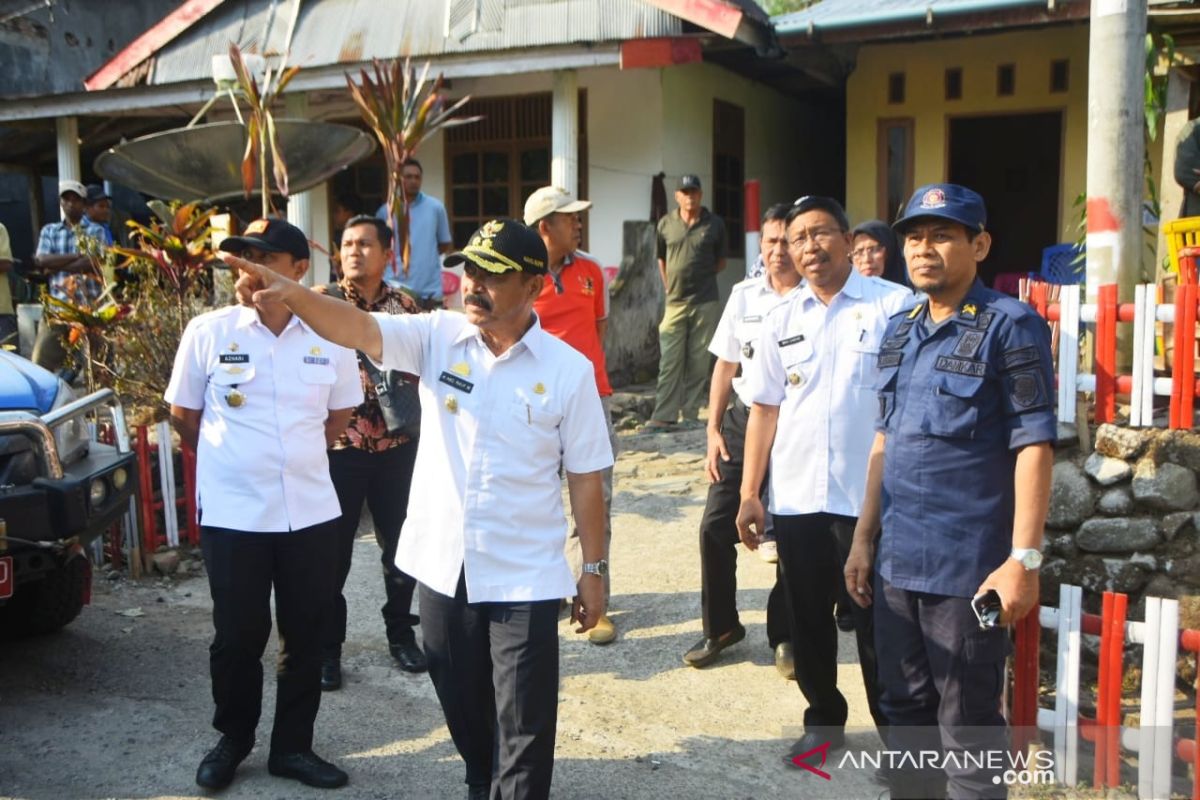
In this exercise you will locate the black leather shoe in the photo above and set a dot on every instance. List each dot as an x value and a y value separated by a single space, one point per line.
706 650
813 739
308 768
845 621
785 661
217 768
480 792
331 674
408 656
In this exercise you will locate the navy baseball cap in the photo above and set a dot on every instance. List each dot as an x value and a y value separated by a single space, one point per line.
96 193
688 183
501 245
271 236
944 201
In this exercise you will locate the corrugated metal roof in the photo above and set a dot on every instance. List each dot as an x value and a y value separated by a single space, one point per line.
350 31
833 14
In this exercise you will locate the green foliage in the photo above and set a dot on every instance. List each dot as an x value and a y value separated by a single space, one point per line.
777 7
168 281
402 111
260 128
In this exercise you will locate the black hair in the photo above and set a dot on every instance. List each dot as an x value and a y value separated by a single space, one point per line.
412 162
381 227
348 201
776 213
816 202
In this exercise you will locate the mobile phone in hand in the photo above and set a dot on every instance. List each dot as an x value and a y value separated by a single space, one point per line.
987 608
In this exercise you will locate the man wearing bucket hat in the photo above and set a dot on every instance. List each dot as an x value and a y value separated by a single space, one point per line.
959 479
504 406
261 396
573 306
72 275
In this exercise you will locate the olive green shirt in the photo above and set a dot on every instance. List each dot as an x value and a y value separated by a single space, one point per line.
691 255
6 303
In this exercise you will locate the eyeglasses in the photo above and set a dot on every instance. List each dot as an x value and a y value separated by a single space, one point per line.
821 236
860 253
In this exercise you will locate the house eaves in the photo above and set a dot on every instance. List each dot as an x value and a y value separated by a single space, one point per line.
124 100
867 20
350 33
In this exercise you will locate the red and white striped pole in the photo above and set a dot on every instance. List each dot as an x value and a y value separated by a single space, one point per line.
753 213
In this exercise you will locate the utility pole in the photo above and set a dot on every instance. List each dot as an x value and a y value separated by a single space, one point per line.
1115 142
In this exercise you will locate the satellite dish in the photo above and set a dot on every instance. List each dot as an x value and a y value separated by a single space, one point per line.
204 162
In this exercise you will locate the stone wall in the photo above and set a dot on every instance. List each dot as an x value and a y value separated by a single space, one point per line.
1123 518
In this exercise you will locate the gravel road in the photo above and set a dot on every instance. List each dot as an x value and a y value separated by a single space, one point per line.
118 706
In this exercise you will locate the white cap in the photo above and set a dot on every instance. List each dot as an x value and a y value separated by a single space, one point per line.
552 200
72 186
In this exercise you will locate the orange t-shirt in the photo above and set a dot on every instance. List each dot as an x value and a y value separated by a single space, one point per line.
570 306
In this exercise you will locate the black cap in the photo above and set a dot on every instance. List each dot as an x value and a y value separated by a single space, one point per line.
944 201
502 245
270 235
688 183
96 193
810 202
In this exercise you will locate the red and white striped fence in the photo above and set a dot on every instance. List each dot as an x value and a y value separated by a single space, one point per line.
1153 742
1142 385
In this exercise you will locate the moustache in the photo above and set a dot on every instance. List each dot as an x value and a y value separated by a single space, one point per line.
478 300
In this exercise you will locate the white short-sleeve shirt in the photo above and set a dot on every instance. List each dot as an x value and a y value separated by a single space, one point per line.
261 465
817 363
736 337
486 497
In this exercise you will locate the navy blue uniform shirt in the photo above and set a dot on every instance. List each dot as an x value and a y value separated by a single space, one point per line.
956 403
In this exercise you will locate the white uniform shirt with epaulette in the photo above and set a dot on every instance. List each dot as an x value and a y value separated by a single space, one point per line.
261 462
486 497
736 337
817 364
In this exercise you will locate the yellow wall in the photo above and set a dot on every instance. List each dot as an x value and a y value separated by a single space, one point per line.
924 64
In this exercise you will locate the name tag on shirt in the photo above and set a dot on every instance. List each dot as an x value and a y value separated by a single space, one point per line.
753 318
462 384
797 339
323 360
235 358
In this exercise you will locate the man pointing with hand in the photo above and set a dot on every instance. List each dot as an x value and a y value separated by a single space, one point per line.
504 405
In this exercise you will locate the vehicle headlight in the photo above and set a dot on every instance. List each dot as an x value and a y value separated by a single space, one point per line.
119 478
73 436
97 492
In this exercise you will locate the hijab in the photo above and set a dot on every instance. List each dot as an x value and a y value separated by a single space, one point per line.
894 268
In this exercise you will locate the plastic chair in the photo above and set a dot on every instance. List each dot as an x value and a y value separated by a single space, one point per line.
450 283
1060 264
1183 237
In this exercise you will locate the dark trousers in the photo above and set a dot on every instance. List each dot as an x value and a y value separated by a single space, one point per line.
495 669
719 539
382 480
942 679
812 555
242 569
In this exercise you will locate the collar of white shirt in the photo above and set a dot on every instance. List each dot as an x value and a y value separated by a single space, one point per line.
533 338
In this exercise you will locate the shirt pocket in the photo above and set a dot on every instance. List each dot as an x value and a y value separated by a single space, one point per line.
865 347
885 389
746 332
231 375
953 410
318 374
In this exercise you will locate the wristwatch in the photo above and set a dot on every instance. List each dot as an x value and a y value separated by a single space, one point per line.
596 568
1028 557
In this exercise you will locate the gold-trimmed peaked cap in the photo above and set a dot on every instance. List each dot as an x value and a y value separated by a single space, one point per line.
501 245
